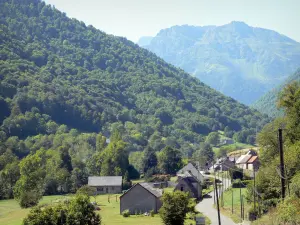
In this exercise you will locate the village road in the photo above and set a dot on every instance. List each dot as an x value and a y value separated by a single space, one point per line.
206 207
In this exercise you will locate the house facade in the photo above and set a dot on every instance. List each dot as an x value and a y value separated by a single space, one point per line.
190 184
248 162
106 184
141 198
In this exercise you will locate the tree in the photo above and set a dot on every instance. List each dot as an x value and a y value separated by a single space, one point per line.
30 187
205 155
149 159
115 157
290 101
175 207
213 138
169 160
81 211
8 177
78 211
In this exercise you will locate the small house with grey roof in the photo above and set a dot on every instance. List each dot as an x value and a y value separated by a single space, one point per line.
193 171
189 183
141 198
106 184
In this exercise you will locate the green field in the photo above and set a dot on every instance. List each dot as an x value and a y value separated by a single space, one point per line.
12 214
227 204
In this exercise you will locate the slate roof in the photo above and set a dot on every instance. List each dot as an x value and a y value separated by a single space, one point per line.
105 181
156 192
190 167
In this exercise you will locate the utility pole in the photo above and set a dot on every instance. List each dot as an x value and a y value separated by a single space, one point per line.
254 188
213 184
287 181
218 207
281 163
243 207
241 201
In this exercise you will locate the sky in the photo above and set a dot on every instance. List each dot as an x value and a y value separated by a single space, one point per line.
136 18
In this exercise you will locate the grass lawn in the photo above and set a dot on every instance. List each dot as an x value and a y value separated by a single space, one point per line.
227 206
12 214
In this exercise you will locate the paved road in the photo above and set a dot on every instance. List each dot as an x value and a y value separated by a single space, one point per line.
207 208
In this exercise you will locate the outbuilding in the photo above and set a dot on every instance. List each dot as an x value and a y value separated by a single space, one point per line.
106 184
141 198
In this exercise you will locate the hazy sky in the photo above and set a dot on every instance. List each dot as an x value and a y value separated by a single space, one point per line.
136 18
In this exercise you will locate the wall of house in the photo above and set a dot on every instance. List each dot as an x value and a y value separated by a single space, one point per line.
139 200
108 189
182 186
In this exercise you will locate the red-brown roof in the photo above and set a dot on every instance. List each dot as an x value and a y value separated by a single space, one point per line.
252 159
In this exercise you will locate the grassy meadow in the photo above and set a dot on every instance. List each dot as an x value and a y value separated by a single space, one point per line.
12 214
227 204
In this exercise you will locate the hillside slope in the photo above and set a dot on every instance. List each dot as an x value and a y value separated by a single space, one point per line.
55 70
238 60
267 103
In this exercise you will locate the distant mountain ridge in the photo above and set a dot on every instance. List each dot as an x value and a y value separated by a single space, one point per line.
268 103
238 60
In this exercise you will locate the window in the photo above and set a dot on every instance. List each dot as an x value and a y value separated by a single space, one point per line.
112 188
181 188
100 189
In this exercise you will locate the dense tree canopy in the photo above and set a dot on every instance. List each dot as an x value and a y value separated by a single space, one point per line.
78 101
268 177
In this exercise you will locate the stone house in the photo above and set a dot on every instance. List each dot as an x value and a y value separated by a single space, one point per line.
193 171
223 164
188 183
106 184
141 198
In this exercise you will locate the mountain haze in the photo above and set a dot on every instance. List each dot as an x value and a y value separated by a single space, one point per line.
267 103
57 71
240 61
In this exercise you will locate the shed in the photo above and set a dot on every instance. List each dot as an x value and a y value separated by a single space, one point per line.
141 198
106 184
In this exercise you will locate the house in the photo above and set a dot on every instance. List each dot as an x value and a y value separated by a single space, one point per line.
241 162
192 169
106 184
141 198
188 183
223 164
253 163
249 161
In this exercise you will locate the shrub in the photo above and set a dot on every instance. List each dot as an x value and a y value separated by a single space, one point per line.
78 211
152 213
126 213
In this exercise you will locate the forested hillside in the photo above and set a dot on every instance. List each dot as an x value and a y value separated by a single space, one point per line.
62 83
267 103
236 59
56 70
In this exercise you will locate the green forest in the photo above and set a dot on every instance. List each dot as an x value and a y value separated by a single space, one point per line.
268 103
76 100
268 180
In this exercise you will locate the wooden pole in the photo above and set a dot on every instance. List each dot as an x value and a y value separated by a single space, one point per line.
281 163
218 207
241 200
254 189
